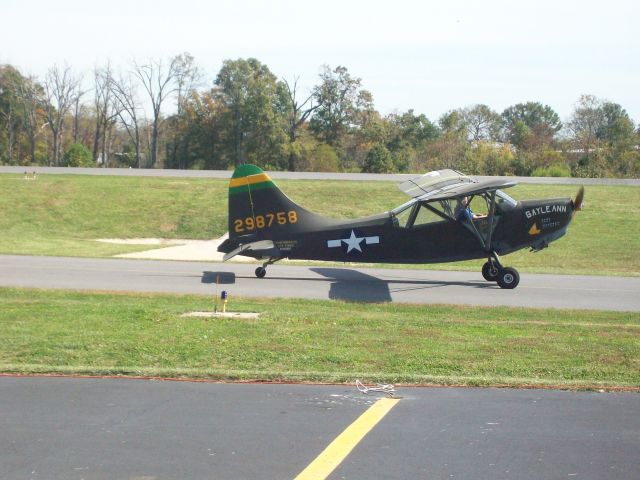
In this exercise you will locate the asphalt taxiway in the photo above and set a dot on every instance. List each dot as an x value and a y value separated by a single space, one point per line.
81 428
279 175
320 282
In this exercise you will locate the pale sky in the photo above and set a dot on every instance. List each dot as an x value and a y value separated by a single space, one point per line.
432 56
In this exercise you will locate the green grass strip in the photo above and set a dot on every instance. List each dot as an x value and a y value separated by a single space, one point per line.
320 341
64 214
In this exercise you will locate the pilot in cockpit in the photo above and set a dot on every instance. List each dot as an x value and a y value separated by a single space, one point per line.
463 210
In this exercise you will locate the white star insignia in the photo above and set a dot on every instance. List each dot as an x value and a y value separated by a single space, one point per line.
353 242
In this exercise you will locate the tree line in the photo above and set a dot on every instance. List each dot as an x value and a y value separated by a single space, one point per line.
158 114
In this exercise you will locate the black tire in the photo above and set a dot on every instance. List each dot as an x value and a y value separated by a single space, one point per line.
490 272
508 278
261 272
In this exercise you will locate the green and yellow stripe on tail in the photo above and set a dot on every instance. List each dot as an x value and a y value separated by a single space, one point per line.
249 178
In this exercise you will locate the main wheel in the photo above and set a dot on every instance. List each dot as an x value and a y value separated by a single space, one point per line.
490 271
508 278
261 272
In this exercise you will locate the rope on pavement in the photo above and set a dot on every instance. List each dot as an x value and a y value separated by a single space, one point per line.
387 389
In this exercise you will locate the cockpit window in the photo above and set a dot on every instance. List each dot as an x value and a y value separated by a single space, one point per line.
426 215
415 213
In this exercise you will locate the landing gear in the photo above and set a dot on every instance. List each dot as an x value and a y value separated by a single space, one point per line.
262 271
493 271
490 271
508 278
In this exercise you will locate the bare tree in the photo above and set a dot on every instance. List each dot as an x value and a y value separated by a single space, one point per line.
107 109
127 108
78 107
61 90
159 82
101 96
586 119
298 113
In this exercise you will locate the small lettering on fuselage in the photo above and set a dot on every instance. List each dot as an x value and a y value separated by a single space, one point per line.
548 223
286 245
545 209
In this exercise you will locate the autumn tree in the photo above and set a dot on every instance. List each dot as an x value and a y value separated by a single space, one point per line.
481 122
449 149
187 79
252 124
337 99
604 133
201 138
530 125
11 112
378 160
617 128
31 96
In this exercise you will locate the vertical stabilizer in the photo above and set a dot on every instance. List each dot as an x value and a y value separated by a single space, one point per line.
258 206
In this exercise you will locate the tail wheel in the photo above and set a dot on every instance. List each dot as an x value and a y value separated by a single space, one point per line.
490 271
261 272
508 277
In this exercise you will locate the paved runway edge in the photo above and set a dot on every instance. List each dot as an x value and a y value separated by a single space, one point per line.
93 428
335 283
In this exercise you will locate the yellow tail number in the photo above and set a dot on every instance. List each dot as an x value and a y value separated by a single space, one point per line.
248 224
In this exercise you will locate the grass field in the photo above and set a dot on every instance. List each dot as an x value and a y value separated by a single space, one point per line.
100 333
64 214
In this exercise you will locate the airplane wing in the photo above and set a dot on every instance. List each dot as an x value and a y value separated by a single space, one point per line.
439 180
443 184
468 189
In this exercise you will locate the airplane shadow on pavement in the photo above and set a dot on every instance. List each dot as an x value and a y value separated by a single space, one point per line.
346 284
353 285
350 285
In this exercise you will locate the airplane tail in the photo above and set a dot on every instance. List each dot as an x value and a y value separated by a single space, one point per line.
258 209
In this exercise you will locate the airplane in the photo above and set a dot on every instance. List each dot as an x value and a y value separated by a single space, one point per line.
436 225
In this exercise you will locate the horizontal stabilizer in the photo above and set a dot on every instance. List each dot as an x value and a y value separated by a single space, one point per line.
253 246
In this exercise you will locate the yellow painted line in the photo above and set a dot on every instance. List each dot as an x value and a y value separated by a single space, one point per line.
338 450
250 180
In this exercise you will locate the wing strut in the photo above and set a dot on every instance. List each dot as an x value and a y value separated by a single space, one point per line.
492 212
486 243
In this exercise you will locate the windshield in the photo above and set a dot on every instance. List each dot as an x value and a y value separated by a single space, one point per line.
505 201
402 214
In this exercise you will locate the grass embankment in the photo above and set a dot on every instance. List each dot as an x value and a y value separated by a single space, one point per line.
63 214
99 333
